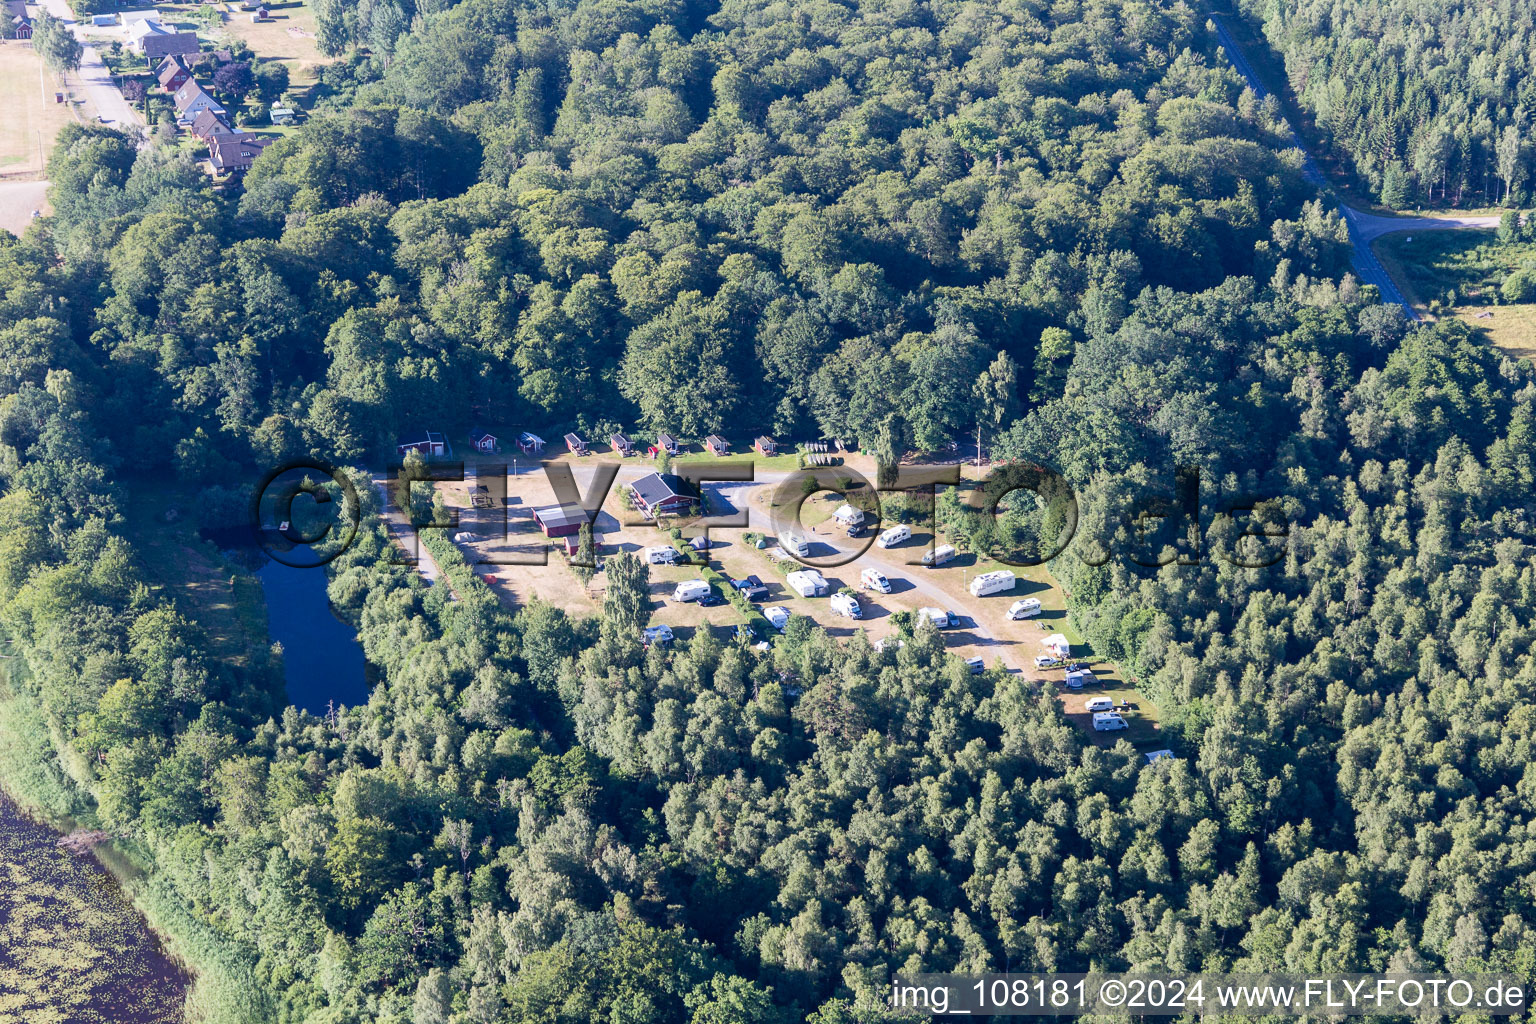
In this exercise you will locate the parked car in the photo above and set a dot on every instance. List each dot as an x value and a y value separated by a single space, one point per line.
745 632
1046 661
711 600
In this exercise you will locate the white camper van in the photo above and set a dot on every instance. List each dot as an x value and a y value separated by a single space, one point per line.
1099 704
1108 721
939 555
895 535
807 583
976 665
848 515
795 544
661 554
992 583
690 590
874 579
847 604
1025 609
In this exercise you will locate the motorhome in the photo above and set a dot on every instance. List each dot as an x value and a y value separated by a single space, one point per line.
993 583
938 616
795 544
939 555
690 590
657 635
1099 704
848 515
847 604
777 616
895 535
1108 721
661 554
976 665
807 583
1025 609
874 579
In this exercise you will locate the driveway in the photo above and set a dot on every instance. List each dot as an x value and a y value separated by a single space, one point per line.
94 79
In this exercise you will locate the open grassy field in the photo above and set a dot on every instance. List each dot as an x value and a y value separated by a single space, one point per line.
1429 266
32 119
288 36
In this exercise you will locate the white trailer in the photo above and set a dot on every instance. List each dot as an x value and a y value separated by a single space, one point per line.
847 604
848 515
939 555
938 616
993 583
895 535
690 590
661 554
807 583
777 616
1025 609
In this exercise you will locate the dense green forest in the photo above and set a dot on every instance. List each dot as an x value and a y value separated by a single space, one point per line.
819 218
1430 101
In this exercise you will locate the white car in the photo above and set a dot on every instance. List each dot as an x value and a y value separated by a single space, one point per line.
1046 661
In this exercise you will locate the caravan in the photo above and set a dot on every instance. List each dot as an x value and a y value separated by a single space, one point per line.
661 554
847 604
939 555
807 583
992 583
849 516
938 616
1025 609
690 590
895 535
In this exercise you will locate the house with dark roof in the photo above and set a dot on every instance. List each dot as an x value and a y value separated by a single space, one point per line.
234 152
717 445
173 73
22 26
564 523
621 444
662 494
575 444
669 444
765 446
428 443
531 444
156 48
208 124
481 441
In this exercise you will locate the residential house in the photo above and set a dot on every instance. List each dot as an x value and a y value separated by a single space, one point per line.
283 115
765 447
191 100
621 444
259 14
208 124
717 445
563 521
669 444
22 26
235 152
531 444
173 73
156 48
481 441
575 444
662 494
428 443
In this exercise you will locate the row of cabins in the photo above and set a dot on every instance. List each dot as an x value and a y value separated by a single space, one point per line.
229 151
532 444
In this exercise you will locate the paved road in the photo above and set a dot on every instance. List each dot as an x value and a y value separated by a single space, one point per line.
93 77
1364 228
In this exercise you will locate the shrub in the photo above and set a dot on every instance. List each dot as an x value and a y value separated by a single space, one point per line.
1520 285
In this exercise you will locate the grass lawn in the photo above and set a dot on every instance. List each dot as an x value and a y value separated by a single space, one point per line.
32 118
226 601
1474 264
287 36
